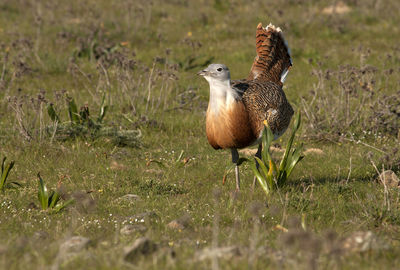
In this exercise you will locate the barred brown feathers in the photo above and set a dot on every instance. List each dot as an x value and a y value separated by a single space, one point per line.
273 57
237 109
265 101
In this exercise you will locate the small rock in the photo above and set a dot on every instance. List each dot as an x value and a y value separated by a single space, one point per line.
141 247
180 223
253 151
130 228
316 151
277 149
175 225
248 151
389 178
32 205
220 252
337 8
105 244
40 235
130 197
74 244
70 249
155 172
143 217
362 241
117 166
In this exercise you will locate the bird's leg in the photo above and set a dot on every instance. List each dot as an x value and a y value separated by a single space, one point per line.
235 159
258 154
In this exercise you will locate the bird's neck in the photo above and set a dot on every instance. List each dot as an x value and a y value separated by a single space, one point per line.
221 95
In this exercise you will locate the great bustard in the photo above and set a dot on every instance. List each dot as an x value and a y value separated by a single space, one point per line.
237 109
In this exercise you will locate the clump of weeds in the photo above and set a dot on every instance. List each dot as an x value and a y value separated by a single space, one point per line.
50 199
351 101
82 124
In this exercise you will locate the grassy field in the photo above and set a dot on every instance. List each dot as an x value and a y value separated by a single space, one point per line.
140 58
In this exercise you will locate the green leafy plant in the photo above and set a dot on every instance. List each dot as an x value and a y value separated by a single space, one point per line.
82 124
50 199
270 176
5 172
82 117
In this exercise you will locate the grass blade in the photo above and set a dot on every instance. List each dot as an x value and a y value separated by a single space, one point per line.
43 195
103 110
5 172
73 111
2 165
290 142
262 166
52 113
296 159
265 146
13 185
61 206
259 177
282 179
54 198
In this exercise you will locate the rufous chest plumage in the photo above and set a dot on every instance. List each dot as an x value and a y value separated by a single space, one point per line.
229 127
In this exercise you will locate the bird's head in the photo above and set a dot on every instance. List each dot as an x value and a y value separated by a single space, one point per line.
215 72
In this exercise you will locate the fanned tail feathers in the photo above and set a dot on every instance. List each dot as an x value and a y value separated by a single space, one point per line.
273 60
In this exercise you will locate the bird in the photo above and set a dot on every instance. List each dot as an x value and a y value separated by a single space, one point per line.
238 109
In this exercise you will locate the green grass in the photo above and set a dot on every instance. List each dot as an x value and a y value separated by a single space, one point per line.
141 66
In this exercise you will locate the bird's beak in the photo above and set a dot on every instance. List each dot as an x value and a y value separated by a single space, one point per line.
203 72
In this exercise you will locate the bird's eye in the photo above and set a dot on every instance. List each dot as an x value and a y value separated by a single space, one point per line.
219 69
